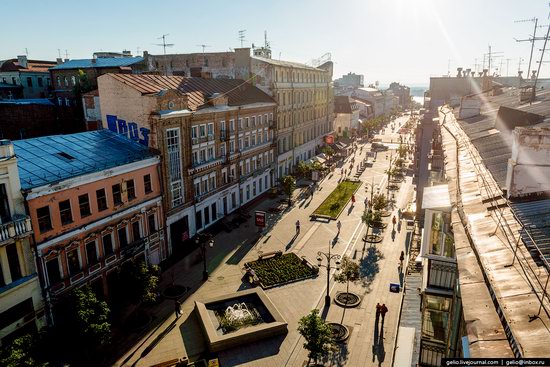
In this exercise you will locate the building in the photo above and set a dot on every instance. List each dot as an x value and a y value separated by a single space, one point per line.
66 76
28 118
32 76
216 65
95 202
402 92
21 307
350 80
92 110
347 111
366 112
215 136
304 103
382 102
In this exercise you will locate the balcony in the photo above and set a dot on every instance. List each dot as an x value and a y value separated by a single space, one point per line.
133 248
20 225
441 274
201 166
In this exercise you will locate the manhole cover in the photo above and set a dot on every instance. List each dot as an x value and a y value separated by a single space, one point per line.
339 332
347 299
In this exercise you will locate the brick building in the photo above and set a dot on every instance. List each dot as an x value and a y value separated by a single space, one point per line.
216 65
94 200
215 137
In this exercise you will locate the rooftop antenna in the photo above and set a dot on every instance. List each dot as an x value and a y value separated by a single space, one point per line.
521 59
507 66
137 51
241 36
59 52
475 65
541 57
27 52
490 56
531 39
164 44
266 44
203 47
66 54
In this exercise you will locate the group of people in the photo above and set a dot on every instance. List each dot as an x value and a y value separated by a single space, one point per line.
381 310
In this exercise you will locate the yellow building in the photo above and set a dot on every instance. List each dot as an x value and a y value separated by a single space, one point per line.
21 306
304 103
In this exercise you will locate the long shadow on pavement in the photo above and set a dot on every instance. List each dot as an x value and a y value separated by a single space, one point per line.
192 336
369 267
251 352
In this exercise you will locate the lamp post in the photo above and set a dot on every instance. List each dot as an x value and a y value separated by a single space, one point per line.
202 240
328 266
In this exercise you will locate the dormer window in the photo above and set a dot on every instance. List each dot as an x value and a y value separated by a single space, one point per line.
171 105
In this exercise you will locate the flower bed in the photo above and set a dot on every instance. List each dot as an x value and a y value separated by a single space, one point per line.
337 200
283 269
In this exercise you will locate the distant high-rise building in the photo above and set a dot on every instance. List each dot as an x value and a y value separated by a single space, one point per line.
350 80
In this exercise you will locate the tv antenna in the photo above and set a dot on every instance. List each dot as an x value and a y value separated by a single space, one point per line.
242 36
27 52
137 51
490 57
164 44
66 54
532 40
203 47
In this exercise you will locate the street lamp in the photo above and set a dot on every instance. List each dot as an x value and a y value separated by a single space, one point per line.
329 259
202 240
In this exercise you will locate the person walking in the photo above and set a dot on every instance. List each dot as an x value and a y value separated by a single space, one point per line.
339 225
401 259
353 199
378 308
394 220
399 213
383 311
177 306
366 203
297 227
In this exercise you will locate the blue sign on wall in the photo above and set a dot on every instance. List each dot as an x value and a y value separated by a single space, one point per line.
129 129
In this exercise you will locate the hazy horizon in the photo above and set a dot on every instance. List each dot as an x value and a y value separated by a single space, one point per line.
406 41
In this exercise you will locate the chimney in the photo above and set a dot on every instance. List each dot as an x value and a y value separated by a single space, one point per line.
485 71
22 60
6 149
533 74
59 61
520 72
467 73
459 72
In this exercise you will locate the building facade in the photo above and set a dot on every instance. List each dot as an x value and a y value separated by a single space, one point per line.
383 103
32 76
21 306
95 202
402 92
216 65
304 103
347 116
215 136
350 80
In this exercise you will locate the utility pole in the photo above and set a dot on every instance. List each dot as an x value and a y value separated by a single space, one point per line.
532 40
541 57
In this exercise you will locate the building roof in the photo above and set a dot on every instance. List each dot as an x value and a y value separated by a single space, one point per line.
490 132
286 63
436 197
101 62
33 66
51 159
42 101
197 89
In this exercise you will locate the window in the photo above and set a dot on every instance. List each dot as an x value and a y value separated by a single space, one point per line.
13 261
253 120
117 194
91 253
246 122
65 212
44 219
131 189
40 82
222 150
73 80
136 233
67 102
195 157
147 184
206 216
107 245
59 101
198 219
58 81
5 214
214 212
240 124
202 129
29 81
211 153
212 183
74 262
101 200
211 129
13 80
122 237
253 140
195 132
84 204
197 188
202 155
54 274
152 223
174 165
232 146
231 125
66 80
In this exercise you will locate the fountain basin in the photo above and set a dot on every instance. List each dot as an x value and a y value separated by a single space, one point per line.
251 315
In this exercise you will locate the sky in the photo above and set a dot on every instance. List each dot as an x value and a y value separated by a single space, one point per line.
385 40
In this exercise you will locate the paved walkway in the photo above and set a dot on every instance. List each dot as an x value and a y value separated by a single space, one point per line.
368 344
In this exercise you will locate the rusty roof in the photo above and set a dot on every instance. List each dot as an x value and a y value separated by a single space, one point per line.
197 89
38 66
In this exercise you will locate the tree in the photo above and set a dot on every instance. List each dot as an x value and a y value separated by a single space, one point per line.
289 185
146 281
91 317
379 202
318 335
303 168
371 217
349 272
22 352
82 85
402 150
327 149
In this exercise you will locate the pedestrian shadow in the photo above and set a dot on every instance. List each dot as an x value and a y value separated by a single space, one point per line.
291 242
375 340
369 267
393 233
350 209
380 351
399 226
